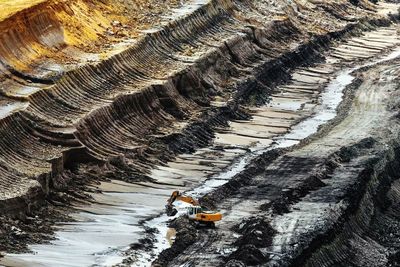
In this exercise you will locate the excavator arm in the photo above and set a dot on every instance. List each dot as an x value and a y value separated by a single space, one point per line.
176 195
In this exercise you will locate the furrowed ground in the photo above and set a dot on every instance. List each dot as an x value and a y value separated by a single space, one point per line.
282 115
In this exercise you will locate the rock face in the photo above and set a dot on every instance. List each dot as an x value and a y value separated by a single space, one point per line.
70 96
331 199
129 109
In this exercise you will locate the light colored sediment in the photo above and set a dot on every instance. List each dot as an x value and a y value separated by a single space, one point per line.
158 87
368 116
145 90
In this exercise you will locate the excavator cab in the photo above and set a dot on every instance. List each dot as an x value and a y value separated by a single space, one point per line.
198 213
193 211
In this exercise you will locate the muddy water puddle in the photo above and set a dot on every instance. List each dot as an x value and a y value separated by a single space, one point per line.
104 229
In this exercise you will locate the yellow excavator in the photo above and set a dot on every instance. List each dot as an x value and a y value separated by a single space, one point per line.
194 211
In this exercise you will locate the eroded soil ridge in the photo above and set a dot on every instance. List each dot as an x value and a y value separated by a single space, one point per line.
70 102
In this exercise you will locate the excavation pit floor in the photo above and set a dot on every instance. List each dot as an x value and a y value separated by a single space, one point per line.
98 234
288 127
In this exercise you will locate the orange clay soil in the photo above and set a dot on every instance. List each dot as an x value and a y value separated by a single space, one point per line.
34 31
10 7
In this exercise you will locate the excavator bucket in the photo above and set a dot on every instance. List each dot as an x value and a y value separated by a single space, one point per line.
170 210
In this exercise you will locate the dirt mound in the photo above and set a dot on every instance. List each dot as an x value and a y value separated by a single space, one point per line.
394 260
345 154
290 196
186 235
235 263
244 178
18 231
249 255
255 231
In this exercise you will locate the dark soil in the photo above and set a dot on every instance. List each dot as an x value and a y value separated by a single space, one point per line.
255 231
288 197
249 255
257 166
37 226
187 234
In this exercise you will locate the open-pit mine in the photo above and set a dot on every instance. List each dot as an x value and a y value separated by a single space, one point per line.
199 133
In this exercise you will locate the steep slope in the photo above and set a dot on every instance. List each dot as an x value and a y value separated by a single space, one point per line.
165 93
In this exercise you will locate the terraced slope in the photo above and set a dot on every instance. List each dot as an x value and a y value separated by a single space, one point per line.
41 42
168 78
293 199
162 95
327 203
117 93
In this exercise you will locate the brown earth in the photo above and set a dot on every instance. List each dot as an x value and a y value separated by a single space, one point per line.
328 201
165 94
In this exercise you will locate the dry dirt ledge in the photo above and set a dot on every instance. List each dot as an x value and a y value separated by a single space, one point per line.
53 122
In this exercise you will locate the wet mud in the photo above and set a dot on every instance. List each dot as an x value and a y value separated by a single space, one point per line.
330 217
177 107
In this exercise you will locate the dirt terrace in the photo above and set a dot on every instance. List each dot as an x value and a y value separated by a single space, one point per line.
136 96
41 40
321 198
291 205
164 95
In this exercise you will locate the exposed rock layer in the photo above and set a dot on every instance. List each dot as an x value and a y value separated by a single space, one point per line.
168 78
